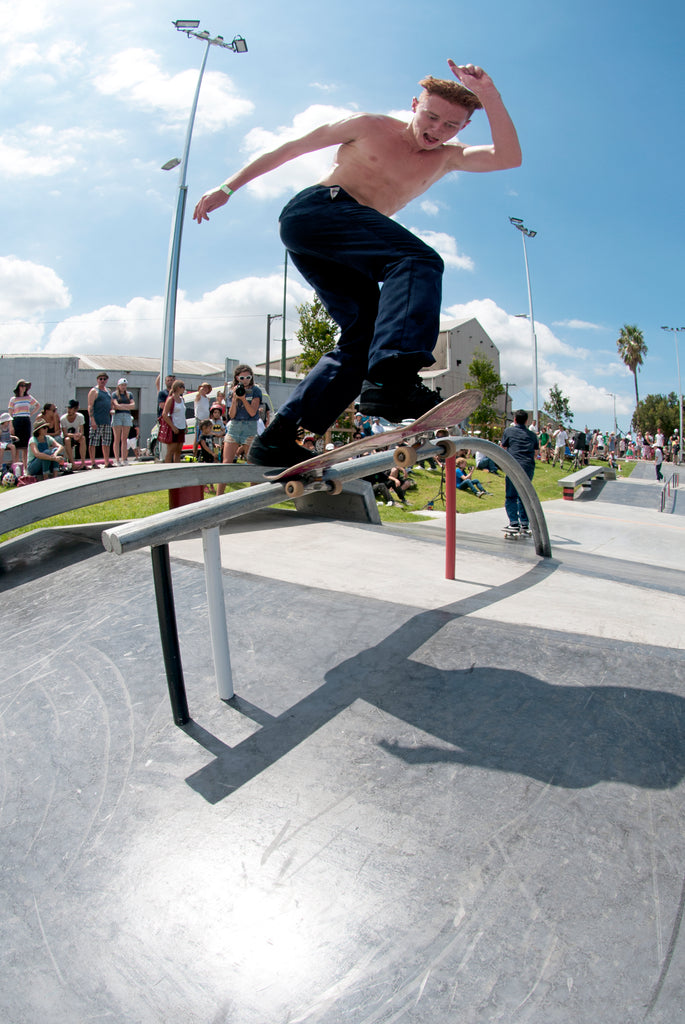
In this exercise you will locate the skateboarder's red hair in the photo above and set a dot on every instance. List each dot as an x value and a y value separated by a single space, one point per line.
453 92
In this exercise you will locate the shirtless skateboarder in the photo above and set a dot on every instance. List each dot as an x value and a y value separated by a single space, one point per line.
341 237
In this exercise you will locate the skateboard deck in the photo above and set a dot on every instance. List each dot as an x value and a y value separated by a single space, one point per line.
448 414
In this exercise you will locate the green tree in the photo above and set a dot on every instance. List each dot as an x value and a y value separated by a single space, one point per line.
484 376
558 406
632 350
655 410
317 334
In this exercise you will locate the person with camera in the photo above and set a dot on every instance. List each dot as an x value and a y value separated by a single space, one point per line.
243 399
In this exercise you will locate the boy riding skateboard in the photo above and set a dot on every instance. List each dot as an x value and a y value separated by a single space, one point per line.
341 237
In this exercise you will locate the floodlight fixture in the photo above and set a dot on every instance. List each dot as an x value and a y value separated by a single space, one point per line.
183 24
239 45
170 164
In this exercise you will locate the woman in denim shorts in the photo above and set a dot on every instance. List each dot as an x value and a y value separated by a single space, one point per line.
122 420
243 400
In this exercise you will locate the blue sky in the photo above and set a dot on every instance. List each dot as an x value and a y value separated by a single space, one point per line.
94 100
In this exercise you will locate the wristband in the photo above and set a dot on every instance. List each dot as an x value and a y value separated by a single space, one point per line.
225 188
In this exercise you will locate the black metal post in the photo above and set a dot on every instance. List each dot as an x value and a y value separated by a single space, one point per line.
168 633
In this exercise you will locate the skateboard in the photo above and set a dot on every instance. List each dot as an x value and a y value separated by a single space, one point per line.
510 533
446 415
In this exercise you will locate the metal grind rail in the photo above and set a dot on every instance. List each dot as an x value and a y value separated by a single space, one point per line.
206 517
671 485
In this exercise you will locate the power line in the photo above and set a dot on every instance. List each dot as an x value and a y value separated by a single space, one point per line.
128 320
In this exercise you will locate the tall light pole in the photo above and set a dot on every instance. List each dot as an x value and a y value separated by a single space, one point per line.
526 233
238 45
676 331
269 318
612 395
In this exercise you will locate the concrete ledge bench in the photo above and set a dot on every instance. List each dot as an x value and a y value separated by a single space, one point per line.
584 478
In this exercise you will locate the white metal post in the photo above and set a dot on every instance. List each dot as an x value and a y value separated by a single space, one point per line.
216 607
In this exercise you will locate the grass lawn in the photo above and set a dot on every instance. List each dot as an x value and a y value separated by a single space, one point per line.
428 486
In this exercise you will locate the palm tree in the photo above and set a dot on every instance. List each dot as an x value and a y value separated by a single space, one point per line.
632 349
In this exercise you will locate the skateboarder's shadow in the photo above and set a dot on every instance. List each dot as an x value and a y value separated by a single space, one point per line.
567 736
489 716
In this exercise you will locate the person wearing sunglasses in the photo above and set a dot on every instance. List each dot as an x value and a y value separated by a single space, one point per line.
23 408
243 399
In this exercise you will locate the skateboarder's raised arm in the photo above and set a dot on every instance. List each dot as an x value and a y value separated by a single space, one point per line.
504 151
327 135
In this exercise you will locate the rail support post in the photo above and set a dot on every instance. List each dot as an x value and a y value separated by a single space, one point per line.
164 596
216 608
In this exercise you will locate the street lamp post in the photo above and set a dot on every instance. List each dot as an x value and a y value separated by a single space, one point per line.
676 331
612 395
526 233
238 45
269 318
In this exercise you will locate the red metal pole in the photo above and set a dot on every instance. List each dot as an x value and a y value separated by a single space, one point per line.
450 517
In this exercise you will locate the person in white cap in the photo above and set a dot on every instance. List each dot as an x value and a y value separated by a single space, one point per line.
123 405
7 439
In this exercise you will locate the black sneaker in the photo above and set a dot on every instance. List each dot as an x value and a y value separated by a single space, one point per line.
397 402
277 446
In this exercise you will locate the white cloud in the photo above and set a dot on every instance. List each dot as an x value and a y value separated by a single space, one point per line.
307 169
27 289
578 325
431 208
134 76
573 368
446 246
35 15
41 151
21 336
229 321
18 56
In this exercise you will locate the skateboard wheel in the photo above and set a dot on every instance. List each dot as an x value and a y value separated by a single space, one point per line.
294 488
334 486
449 448
404 456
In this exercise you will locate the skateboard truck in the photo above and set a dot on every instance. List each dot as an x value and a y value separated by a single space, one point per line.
296 488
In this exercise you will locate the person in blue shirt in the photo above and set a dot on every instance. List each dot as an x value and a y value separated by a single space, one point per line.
464 481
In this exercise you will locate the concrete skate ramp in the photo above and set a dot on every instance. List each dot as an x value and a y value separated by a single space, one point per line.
641 489
430 801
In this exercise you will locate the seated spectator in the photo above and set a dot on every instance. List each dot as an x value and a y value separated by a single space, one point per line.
7 438
309 444
485 464
72 426
49 414
382 485
465 482
46 456
400 483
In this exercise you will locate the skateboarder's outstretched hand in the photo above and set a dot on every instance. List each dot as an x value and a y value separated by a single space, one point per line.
210 201
472 77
